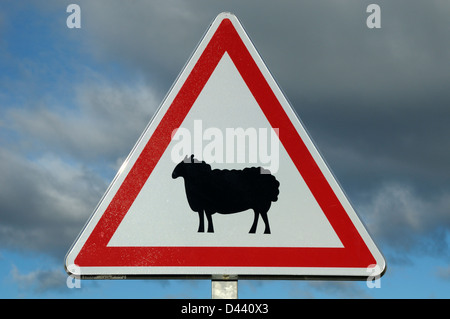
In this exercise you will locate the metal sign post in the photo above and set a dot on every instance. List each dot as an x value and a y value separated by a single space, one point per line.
224 287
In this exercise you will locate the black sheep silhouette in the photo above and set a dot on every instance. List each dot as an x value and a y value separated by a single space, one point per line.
227 191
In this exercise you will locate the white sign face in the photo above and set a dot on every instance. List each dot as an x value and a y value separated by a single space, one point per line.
225 180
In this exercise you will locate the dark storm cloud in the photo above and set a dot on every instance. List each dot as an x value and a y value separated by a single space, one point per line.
407 221
59 159
95 128
374 100
379 94
43 203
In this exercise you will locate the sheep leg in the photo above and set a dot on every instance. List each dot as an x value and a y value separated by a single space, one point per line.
210 222
266 222
255 223
201 224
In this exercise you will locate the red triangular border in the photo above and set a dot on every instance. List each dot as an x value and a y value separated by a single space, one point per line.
95 252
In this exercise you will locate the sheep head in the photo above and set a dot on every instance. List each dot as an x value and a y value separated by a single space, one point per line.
186 164
179 170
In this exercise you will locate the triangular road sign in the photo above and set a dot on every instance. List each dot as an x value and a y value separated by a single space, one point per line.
226 109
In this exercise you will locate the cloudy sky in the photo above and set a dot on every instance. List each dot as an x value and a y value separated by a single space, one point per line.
73 102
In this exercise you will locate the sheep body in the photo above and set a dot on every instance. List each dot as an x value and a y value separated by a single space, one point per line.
211 191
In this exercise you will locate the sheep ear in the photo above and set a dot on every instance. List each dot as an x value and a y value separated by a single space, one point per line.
192 158
185 159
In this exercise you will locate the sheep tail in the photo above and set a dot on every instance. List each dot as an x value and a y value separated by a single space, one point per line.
265 182
273 185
